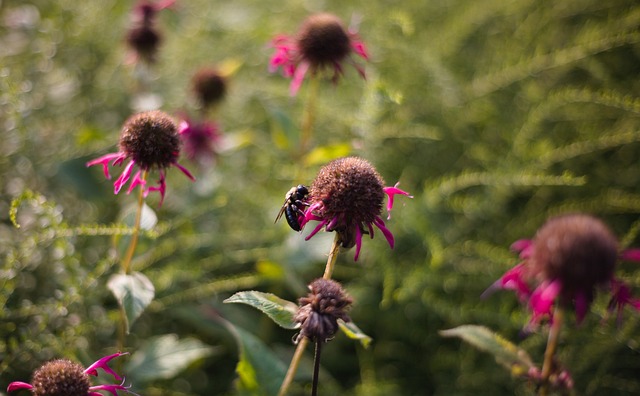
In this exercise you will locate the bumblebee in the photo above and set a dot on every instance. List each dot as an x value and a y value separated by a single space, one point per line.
292 206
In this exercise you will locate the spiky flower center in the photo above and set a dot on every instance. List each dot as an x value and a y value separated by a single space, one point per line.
320 310
144 39
151 139
579 250
60 378
323 40
209 86
349 187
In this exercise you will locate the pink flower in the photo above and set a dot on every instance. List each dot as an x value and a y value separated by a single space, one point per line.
321 43
200 140
64 376
149 141
346 197
570 258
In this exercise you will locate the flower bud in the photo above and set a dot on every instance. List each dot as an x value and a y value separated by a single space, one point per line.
151 139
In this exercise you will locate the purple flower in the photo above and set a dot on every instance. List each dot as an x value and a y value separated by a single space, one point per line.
150 141
346 197
200 140
321 43
143 37
63 377
570 258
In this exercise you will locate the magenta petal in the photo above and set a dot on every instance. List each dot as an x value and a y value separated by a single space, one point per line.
360 49
631 255
137 180
103 364
111 388
358 243
315 230
185 171
162 187
391 192
523 247
387 234
298 77
511 280
543 298
582 307
16 385
124 177
104 161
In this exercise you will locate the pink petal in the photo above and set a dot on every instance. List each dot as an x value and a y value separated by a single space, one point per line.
103 364
162 187
137 180
360 49
298 77
543 298
631 255
582 307
18 385
185 171
358 243
124 177
315 230
511 280
391 192
387 234
104 161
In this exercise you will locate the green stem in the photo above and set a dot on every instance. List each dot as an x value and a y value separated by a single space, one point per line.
126 261
549 353
309 113
297 355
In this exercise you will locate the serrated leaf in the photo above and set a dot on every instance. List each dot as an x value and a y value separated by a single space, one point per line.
506 353
352 331
164 357
279 310
259 370
134 292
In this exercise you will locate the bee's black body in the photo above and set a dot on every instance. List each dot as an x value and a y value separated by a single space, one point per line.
292 207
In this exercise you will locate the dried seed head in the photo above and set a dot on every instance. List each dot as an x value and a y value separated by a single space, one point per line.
579 250
151 139
209 86
349 188
320 310
144 40
60 378
323 40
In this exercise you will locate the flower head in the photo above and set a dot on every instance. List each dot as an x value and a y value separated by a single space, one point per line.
322 43
347 197
143 37
569 259
200 140
150 141
209 86
320 310
63 377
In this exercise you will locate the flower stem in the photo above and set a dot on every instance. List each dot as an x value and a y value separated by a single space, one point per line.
293 366
309 114
297 355
126 262
549 353
316 368
333 255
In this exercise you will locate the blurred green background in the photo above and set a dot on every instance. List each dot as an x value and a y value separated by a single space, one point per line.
493 114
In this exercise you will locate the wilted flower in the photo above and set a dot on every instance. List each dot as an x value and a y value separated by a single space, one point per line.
570 258
321 43
200 139
149 140
63 377
347 197
320 310
143 36
209 86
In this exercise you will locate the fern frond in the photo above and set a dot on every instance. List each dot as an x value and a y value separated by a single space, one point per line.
586 147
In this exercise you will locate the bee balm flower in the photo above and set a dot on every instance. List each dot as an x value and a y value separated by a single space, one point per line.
347 197
63 377
321 43
150 141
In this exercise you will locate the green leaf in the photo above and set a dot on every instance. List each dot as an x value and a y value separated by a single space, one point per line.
506 353
134 293
279 310
352 331
324 154
165 356
259 370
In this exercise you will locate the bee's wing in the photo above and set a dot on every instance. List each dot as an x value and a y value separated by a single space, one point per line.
284 206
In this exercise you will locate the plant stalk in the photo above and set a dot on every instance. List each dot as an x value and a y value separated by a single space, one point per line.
126 262
316 368
549 353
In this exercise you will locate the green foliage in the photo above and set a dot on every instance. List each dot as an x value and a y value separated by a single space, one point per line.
494 115
134 292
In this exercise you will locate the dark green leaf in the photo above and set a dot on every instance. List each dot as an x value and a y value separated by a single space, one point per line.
279 310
